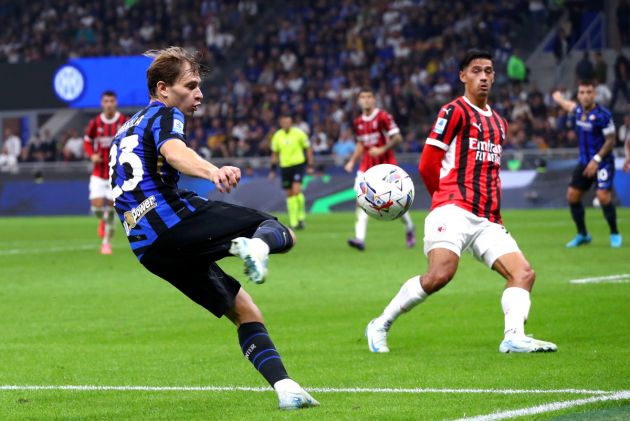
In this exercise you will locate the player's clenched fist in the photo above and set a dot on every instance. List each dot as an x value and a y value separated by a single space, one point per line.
225 178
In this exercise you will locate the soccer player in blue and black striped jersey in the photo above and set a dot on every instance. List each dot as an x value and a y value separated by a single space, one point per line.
596 136
178 235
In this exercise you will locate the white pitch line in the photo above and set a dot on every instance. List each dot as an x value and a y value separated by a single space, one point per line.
549 407
10 252
311 389
621 278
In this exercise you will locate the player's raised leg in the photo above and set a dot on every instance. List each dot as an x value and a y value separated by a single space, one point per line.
574 197
258 348
442 267
516 303
269 238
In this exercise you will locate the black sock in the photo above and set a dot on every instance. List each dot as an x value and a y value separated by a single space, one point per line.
610 213
577 212
260 351
276 235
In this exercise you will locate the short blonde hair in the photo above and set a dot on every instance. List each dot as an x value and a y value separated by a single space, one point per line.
168 64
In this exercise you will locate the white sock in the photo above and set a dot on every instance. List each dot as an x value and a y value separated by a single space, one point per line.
406 219
261 244
515 303
110 224
360 227
410 295
285 385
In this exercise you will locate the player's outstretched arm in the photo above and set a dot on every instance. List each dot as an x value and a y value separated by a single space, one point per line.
187 161
358 151
565 104
626 164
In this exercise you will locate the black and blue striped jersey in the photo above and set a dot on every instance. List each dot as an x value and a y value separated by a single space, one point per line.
592 128
146 196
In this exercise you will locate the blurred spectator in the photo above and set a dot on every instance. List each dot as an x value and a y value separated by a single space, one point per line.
8 162
73 146
35 150
344 147
623 21
516 70
12 144
562 45
216 139
584 69
601 68
319 141
624 131
602 93
49 146
622 74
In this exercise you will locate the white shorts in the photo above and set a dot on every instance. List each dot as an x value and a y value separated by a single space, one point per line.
100 188
455 229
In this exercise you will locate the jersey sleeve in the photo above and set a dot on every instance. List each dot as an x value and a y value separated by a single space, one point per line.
169 126
446 127
88 139
388 125
607 124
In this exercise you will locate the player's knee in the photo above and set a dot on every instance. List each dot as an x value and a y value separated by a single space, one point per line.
604 197
524 278
436 279
98 211
573 196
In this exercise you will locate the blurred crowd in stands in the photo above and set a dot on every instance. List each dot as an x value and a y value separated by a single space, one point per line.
310 58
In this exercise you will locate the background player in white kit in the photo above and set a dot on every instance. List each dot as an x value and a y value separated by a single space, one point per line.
377 135
97 142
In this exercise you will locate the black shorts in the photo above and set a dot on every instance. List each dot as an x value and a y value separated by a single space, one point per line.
186 254
604 177
292 175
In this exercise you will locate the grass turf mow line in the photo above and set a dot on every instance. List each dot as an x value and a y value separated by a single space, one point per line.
310 389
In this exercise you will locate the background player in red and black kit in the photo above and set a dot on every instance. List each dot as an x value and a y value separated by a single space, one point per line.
97 142
460 168
377 135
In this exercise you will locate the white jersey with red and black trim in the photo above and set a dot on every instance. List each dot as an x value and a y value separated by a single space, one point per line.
473 141
374 130
98 139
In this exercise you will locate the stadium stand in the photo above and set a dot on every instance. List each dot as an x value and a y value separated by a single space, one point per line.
310 59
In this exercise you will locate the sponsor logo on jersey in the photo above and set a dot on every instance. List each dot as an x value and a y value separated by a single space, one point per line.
370 138
584 125
440 125
485 151
136 214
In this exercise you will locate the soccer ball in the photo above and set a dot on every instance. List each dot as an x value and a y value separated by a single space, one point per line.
385 192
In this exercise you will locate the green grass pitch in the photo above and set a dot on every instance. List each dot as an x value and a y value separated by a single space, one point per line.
69 316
